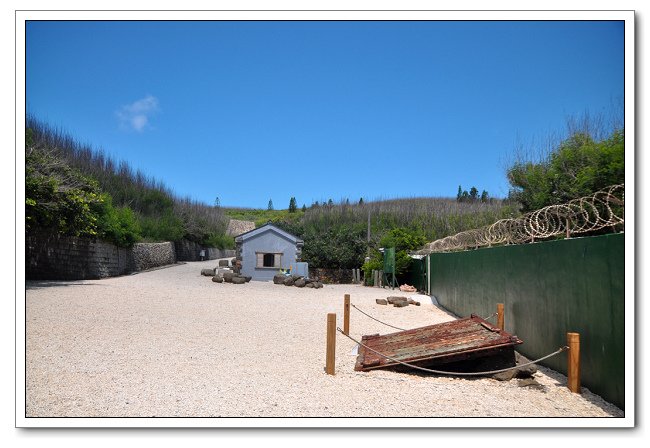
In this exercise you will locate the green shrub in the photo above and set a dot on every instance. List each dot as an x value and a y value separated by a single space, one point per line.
579 166
118 225
57 197
339 247
403 240
166 227
374 264
220 241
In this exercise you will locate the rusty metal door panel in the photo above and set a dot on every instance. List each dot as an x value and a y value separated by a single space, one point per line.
462 339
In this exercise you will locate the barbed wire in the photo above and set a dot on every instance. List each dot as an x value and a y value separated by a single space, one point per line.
604 208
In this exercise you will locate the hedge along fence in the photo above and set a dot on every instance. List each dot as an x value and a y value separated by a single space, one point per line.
549 289
54 257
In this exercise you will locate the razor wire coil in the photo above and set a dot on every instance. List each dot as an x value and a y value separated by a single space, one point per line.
604 208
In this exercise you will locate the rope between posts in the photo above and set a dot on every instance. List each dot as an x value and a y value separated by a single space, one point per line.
389 325
398 328
441 372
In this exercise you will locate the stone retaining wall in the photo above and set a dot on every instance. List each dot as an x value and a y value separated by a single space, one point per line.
191 251
53 257
332 276
151 255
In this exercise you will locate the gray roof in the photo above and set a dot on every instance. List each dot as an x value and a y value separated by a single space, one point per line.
268 228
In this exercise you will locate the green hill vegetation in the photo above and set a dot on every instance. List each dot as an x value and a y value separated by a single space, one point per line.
342 235
74 190
261 217
71 189
577 167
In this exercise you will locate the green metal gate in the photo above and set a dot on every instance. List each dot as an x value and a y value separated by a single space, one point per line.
389 267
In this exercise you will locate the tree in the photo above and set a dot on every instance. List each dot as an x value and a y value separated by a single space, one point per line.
304 208
360 201
577 167
217 202
270 206
330 203
484 196
473 194
459 195
292 205
403 240
335 247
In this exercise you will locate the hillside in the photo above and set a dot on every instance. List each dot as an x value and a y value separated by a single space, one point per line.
72 189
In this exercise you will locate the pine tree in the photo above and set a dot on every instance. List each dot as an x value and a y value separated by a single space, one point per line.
473 194
217 202
459 195
360 201
292 205
304 208
270 207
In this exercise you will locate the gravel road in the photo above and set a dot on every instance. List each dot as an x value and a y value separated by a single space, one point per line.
171 343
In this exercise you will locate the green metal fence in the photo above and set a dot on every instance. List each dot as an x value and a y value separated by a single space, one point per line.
548 289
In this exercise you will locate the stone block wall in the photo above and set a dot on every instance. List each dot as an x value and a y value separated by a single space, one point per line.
332 276
191 251
151 255
53 257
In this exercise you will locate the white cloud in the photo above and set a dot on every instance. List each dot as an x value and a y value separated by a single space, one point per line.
136 115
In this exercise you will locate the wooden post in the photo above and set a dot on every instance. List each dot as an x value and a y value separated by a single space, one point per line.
331 343
500 319
573 362
568 233
346 314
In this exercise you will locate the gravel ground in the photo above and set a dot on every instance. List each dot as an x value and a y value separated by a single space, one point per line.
171 343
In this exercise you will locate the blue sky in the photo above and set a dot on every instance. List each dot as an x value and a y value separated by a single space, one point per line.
252 111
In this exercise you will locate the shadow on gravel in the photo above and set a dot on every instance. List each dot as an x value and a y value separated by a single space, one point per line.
587 395
40 284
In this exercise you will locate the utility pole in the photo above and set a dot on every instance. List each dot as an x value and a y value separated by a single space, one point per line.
368 255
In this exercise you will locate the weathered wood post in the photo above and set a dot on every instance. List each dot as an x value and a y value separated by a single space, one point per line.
346 314
573 362
331 344
500 318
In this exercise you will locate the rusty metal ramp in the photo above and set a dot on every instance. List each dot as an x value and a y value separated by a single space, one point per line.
462 345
